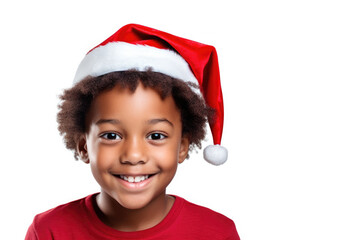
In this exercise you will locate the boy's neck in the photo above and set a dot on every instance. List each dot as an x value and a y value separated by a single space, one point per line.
129 220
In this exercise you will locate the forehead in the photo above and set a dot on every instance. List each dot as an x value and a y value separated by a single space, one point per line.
143 104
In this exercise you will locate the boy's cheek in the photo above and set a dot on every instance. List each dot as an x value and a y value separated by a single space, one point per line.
93 146
166 159
102 157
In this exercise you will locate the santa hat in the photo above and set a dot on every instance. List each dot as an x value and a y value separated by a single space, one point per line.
139 47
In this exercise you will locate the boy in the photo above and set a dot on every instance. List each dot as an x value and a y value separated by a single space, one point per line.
138 105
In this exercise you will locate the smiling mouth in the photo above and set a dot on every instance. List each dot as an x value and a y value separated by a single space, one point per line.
134 179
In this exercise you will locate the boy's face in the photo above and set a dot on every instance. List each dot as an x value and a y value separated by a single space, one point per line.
133 143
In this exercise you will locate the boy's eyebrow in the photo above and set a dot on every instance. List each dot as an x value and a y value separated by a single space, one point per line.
111 121
151 121
157 120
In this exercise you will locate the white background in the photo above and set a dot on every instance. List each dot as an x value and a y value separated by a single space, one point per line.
290 76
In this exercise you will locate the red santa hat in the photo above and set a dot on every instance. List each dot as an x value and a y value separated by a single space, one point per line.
139 47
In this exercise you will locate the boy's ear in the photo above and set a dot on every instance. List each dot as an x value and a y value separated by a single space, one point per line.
184 149
81 149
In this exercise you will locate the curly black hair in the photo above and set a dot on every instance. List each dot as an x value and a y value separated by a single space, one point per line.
76 102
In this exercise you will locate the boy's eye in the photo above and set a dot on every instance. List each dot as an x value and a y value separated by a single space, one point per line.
111 136
156 136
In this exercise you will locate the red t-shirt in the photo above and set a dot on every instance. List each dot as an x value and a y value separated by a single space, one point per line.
78 220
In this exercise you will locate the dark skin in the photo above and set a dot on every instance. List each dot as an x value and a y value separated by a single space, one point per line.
133 144
129 220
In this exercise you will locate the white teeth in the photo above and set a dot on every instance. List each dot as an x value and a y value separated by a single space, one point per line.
136 179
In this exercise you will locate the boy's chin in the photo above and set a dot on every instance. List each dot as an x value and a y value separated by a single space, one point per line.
137 201
134 202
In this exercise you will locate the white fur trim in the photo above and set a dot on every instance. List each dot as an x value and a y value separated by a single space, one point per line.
122 56
215 154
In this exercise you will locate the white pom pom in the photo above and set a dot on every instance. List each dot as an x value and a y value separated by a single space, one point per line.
215 154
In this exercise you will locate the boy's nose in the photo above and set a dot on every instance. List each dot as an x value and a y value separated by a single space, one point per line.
133 152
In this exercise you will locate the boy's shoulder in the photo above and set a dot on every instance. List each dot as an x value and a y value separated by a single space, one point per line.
59 222
206 221
199 211
73 210
65 215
